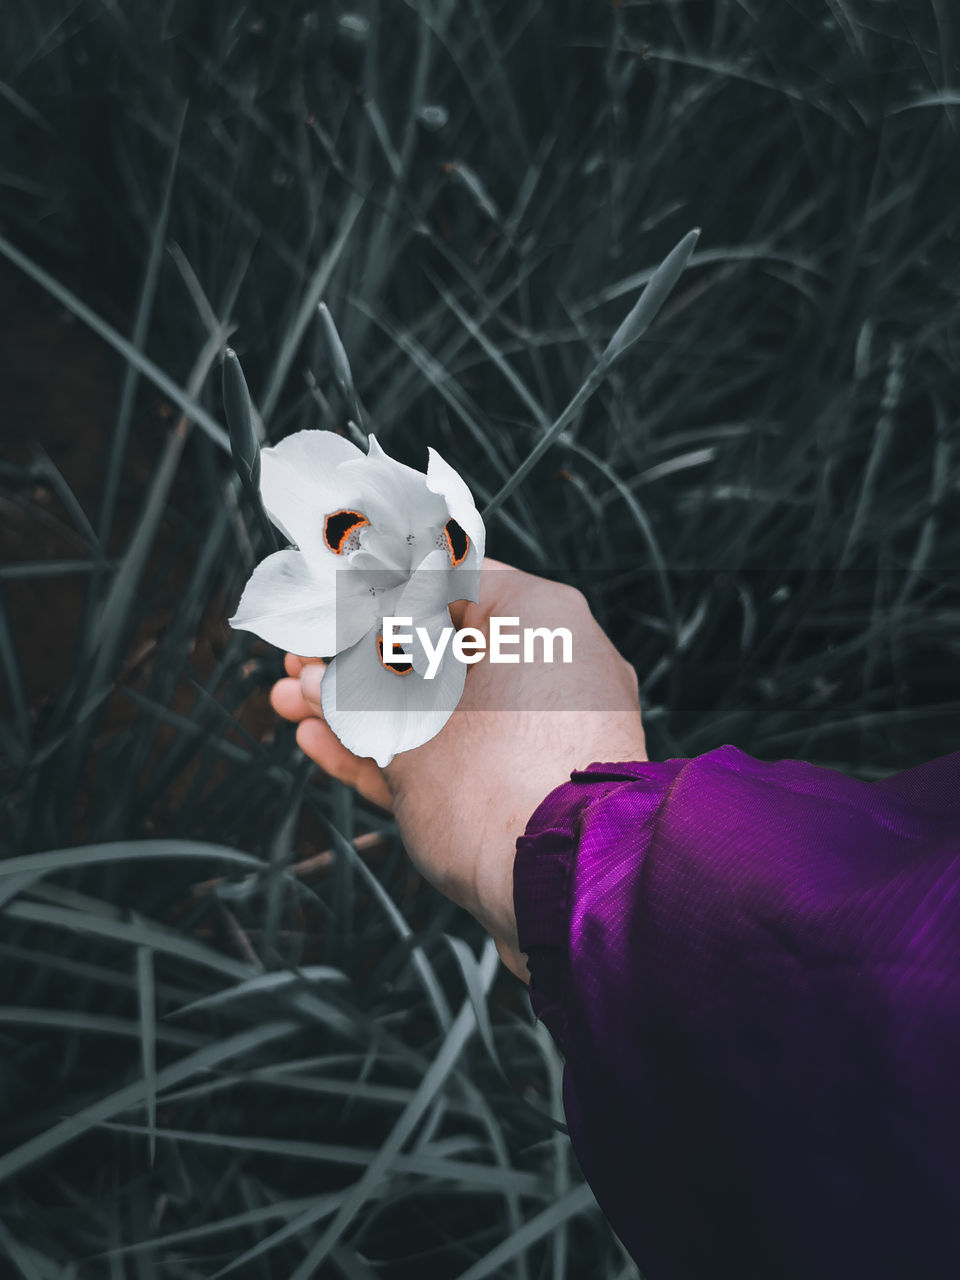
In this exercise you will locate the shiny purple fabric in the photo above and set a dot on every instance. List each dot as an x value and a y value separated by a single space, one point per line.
753 972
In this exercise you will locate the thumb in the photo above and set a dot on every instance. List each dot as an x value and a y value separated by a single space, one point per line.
311 681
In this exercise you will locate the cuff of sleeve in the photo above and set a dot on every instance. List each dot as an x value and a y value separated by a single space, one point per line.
543 875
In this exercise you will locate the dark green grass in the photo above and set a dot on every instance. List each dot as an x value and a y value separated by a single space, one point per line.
287 1073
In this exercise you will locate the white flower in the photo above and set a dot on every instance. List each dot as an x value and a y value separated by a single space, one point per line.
374 539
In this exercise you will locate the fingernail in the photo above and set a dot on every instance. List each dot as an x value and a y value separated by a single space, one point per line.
311 678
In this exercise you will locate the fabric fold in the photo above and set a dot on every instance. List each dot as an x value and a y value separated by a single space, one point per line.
753 971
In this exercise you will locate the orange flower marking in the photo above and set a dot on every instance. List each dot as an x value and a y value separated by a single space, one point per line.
399 667
338 528
457 542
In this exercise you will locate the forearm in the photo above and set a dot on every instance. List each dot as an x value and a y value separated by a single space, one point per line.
464 839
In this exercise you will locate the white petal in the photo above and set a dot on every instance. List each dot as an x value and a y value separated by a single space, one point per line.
287 602
427 586
376 712
443 480
384 559
396 501
300 485
433 624
424 599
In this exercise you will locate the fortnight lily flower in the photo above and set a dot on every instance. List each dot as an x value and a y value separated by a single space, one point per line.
374 538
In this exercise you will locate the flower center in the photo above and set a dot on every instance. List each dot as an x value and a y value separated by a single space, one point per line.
399 666
455 540
341 530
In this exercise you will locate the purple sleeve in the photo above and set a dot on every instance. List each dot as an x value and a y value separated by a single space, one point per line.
753 972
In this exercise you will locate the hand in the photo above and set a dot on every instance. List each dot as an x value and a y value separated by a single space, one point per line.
462 799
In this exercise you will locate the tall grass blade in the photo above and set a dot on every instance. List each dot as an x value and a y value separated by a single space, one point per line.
148 1041
638 320
13 678
339 362
249 1218
19 1255
311 299
369 1183
116 340
265 984
241 422
418 957
110 629
117 452
89 855
132 1095
575 1202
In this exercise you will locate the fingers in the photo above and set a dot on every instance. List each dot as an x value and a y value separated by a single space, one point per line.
286 697
318 741
287 700
294 664
299 700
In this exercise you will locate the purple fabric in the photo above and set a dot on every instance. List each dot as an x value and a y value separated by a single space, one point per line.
753 972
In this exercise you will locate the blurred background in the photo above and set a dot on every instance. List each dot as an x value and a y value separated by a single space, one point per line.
237 1034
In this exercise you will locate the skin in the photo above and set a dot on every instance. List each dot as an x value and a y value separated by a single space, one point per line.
462 799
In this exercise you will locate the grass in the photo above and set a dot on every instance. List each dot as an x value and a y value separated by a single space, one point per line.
238 1037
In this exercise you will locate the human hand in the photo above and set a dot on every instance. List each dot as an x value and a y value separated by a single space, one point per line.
462 799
